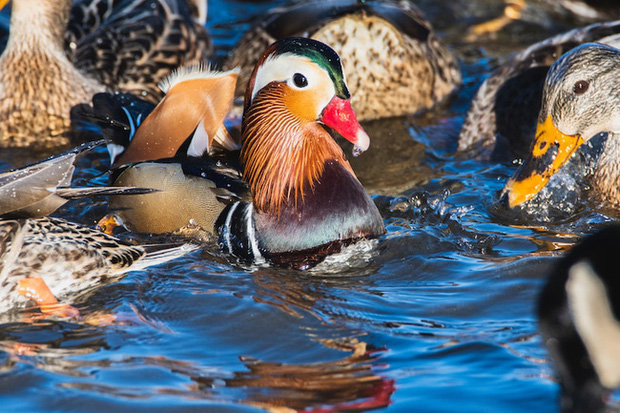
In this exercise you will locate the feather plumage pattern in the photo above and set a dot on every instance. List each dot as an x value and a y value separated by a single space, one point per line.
108 45
394 63
70 259
305 197
272 134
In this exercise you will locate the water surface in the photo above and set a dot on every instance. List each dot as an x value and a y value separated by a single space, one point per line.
437 315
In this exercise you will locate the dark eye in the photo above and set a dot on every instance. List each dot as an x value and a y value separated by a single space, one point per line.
300 80
581 87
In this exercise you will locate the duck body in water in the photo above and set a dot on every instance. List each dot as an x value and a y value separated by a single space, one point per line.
58 56
578 311
304 199
42 258
501 122
394 62
580 105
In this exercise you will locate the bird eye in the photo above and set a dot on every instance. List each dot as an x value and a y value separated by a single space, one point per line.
581 87
300 80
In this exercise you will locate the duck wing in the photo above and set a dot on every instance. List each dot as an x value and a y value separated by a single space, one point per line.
88 15
39 189
117 115
31 191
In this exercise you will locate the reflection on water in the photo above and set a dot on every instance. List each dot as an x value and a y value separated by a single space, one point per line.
345 384
437 315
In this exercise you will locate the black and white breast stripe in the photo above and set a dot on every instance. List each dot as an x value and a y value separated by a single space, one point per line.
237 233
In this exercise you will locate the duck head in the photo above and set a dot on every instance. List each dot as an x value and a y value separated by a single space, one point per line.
297 86
579 315
581 99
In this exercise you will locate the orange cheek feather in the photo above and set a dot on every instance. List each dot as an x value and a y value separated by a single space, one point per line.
301 103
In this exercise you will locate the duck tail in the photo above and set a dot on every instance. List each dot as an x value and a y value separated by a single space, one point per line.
160 256
85 192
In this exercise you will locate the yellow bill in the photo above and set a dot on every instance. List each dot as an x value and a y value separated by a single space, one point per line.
550 151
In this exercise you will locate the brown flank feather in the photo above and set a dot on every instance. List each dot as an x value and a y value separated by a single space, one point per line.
283 154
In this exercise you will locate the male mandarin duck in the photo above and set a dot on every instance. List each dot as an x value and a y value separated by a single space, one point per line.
502 119
58 56
43 258
581 101
579 318
305 199
394 63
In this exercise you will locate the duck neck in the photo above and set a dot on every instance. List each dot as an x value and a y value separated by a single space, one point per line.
38 25
283 155
607 174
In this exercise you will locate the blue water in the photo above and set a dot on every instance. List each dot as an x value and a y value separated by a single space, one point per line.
437 315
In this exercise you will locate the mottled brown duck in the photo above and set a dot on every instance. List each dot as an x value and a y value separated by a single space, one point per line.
394 62
502 119
581 102
44 259
58 56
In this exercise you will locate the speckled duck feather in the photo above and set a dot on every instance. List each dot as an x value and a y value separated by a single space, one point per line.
138 42
394 63
108 44
70 258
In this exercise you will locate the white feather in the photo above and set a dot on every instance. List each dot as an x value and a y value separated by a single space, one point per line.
195 71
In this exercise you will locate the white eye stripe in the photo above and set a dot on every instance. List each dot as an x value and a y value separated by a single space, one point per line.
282 68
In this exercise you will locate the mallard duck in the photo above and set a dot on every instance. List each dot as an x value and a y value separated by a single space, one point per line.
579 317
58 56
501 121
45 258
581 100
39 189
305 198
394 63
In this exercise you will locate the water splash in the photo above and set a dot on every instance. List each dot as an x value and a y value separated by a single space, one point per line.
423 209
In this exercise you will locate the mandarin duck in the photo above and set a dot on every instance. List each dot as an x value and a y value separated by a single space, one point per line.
179 133
58 56
304 199
394 63
501 121
581 102
579 318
